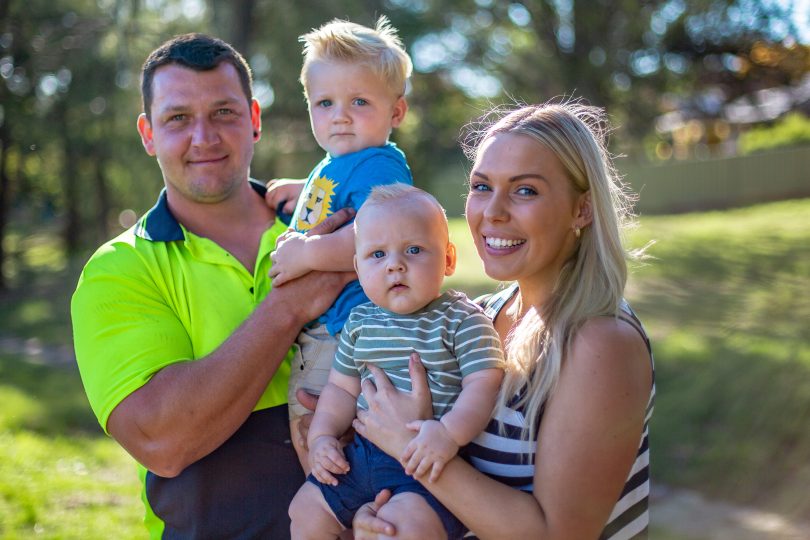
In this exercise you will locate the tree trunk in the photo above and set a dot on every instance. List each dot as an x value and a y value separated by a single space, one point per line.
5 183
70 180
102 200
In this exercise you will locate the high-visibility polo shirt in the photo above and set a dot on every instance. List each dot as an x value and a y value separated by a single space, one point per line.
159 294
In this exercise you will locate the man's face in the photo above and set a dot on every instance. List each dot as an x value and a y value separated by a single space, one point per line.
202 131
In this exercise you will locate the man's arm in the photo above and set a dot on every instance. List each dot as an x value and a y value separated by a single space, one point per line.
188 409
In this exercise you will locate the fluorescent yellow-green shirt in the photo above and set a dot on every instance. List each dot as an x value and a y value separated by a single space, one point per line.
156 295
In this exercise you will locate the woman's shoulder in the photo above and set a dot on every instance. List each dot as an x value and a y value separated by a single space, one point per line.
614 348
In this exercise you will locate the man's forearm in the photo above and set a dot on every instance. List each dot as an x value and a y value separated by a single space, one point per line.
188 409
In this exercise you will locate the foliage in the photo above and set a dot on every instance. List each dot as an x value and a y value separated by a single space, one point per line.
791 130
69 74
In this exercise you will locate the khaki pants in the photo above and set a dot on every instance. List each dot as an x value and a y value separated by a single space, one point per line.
314 353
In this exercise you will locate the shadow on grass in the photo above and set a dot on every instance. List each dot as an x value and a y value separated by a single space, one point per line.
44 399
726 304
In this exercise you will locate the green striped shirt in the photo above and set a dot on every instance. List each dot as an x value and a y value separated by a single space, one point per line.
451 334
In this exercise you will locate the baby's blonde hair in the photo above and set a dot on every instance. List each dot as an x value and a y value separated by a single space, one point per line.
378 48
398 191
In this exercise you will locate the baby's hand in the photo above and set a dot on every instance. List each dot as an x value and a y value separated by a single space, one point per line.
325 458
284 190
430 450
289 258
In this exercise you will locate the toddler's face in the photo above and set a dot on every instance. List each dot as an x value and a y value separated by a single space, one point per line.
402 253
350 108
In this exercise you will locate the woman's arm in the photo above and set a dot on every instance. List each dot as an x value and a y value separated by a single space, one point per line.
588 441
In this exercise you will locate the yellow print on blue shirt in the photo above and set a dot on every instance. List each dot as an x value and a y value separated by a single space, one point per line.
317 205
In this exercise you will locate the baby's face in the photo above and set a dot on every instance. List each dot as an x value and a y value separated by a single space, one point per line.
402 253
350 108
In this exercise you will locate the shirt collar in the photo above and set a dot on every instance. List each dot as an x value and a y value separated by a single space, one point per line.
159 225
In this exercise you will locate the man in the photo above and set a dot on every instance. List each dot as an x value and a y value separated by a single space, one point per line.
179 339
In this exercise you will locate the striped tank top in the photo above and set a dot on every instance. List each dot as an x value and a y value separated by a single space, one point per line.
504 456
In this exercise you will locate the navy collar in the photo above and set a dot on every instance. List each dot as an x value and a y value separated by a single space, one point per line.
159 225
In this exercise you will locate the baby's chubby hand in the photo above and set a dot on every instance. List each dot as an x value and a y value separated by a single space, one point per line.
430 450
289 260
326 458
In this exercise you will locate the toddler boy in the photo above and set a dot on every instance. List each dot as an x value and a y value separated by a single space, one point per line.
354 81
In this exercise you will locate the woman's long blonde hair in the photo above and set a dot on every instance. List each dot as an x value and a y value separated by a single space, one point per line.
591 283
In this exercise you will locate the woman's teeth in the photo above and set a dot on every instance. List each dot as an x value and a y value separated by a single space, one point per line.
503 242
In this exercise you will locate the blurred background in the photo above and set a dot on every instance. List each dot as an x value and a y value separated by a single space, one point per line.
710 104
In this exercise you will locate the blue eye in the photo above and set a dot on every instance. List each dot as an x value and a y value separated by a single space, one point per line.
477 186
525 190
379 254
360 101
413 250
324 103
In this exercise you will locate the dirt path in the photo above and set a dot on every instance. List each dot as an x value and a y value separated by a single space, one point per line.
687 515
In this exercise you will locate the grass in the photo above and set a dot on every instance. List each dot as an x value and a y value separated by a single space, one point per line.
60 477
726 303
724 299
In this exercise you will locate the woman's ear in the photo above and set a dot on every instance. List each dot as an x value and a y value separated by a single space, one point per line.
584 210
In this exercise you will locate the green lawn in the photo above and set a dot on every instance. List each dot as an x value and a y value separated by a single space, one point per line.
724 296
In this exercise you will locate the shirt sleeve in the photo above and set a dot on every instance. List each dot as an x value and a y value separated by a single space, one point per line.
477 345
344 356
378 169
123 329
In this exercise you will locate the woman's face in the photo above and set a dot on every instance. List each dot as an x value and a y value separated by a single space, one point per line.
521 210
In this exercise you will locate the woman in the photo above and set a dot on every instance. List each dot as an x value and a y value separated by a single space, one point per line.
566 455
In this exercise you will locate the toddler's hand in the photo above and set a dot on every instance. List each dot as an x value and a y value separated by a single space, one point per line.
284 190
326 458
289 258
428 451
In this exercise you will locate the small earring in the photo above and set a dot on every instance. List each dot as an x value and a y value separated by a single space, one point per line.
577 232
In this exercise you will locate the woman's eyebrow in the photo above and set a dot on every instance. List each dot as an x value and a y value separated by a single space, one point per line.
515 178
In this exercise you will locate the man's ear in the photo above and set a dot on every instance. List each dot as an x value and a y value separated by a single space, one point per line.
450 259
400 108
256 119
145 130
584 210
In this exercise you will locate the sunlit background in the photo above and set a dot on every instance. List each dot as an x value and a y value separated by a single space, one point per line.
710 107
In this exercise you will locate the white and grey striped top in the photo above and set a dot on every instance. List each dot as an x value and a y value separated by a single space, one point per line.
452 335
503 455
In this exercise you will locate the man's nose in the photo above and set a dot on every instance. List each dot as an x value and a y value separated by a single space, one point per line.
204 133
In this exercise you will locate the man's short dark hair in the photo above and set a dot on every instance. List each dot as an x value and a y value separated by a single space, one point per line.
194 51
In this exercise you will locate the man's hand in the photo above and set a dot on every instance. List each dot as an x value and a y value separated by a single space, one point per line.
366 525
290 258
428 451
326 458
286 191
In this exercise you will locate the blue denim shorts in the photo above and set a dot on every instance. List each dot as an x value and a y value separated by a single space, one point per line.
372 470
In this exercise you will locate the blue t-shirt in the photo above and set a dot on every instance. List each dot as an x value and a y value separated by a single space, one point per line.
346 181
